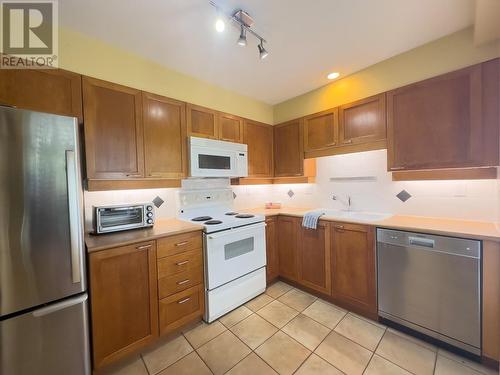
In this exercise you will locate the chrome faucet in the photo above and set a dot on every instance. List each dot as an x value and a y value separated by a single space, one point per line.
347 203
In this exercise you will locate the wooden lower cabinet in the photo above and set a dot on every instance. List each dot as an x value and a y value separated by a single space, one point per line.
287 231
181 308
180 281
314 258
124 301
138 292
272 257
353 267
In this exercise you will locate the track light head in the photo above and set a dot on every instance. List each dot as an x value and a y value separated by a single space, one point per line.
262 51
242 41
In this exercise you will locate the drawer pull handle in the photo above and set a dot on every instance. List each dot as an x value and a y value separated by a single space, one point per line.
143 247
134 175
183 301
331 144
397 168
339 227
182 263
183 282
182 243
347 141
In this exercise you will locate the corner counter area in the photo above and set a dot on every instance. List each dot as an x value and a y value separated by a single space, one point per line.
338 260
144 284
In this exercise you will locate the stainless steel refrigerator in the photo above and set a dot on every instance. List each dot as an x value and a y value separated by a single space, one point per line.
43 300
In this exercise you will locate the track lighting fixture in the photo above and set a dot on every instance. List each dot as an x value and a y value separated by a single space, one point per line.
262 51
245 22
242 41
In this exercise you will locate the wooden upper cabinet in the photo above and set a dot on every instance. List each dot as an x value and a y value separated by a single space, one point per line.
449 121
230 128
353 266
288 149
363 121
165 145
124 301
314 258
287 246
45 90
202 122
272 268
259 138
113 130
320 131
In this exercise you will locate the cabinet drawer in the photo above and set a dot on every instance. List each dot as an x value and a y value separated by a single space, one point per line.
181 281
178 244
175 264
181 308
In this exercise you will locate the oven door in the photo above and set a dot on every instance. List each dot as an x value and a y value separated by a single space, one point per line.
208 162
233 253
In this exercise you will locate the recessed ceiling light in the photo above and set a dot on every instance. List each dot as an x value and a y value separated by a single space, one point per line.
220 25
333 75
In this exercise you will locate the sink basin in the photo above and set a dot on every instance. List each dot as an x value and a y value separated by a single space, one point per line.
357 215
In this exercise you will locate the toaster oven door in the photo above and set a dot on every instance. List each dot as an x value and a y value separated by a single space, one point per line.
114 219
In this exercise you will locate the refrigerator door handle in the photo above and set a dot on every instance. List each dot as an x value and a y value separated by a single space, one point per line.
59 306
74 216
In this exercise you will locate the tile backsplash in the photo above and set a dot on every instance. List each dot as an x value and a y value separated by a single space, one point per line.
362 176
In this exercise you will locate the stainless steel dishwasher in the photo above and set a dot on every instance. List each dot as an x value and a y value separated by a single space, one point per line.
431 284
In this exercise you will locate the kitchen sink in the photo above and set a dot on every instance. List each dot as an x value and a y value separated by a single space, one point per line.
356 215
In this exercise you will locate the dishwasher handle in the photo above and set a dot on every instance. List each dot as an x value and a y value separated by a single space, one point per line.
418 241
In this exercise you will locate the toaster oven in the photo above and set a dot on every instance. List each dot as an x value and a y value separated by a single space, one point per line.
123 217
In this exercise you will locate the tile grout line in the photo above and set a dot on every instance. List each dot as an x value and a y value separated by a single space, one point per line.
387 359
374 350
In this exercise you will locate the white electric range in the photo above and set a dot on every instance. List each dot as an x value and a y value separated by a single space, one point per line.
234 249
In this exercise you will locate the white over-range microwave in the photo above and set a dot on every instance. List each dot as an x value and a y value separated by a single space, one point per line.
211 158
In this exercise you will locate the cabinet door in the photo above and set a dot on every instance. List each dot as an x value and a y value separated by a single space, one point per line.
113 130
259 138
314 258
289 149
287 246
52 90
202 122
449 121
230 128
272 269
321 130
165 141
363 121
124 301
353 266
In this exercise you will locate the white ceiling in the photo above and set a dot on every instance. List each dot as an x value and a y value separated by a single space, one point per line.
306 39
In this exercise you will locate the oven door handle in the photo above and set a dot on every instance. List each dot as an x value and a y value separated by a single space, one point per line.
238 230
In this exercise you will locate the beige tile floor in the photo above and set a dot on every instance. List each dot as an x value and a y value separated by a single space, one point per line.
287 331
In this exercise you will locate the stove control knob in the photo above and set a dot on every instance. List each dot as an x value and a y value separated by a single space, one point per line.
149 214
149 207
150 221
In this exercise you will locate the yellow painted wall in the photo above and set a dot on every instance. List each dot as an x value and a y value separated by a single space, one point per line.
85 55
443 55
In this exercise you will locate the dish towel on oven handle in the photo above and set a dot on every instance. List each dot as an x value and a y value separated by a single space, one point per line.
311 219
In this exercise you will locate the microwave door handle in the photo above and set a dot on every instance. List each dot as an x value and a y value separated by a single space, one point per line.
74 216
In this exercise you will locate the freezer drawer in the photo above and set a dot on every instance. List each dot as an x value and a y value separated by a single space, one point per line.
432 285
52 340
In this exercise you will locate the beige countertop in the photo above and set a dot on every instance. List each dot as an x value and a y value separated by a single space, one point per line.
451 227
162 228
